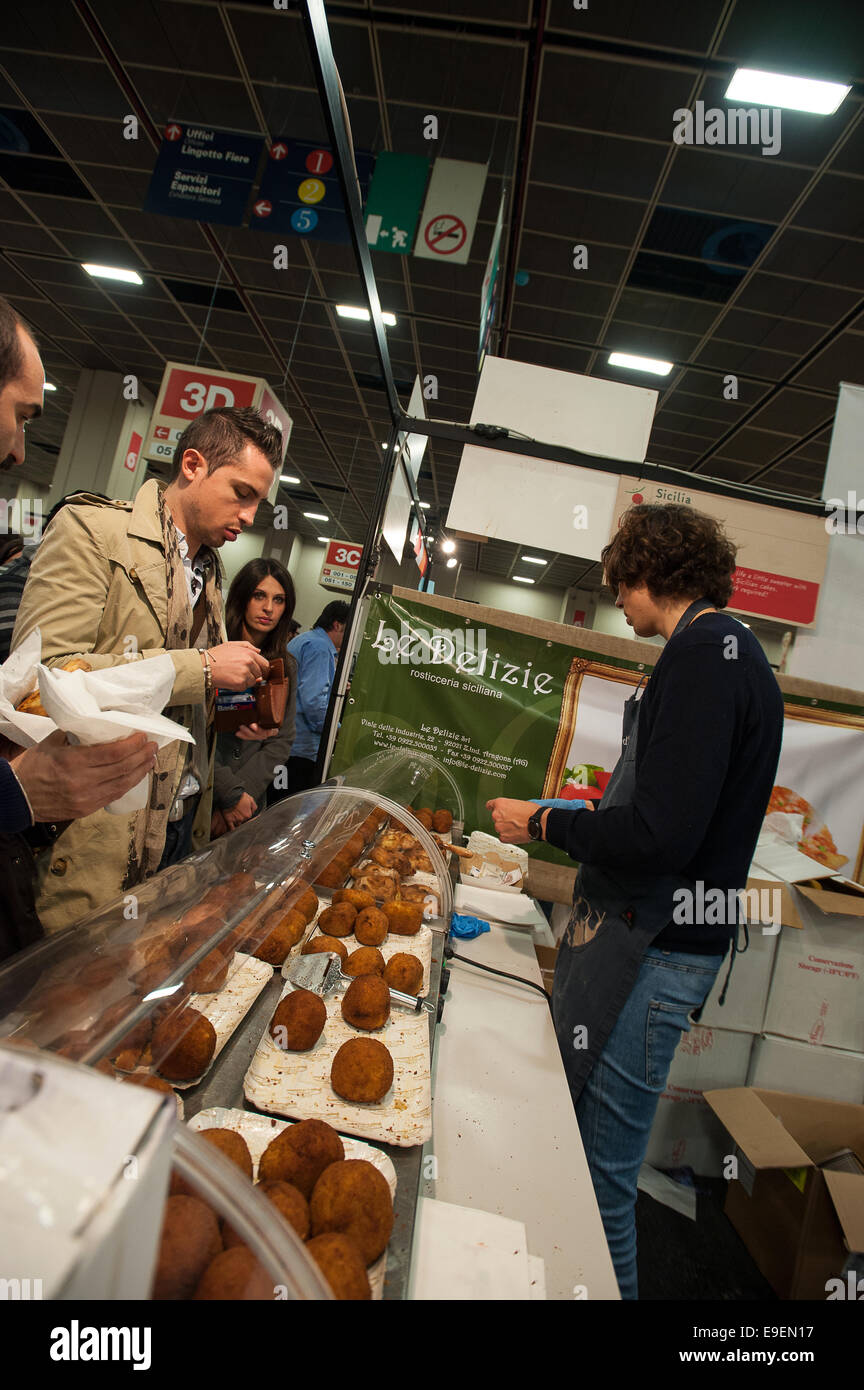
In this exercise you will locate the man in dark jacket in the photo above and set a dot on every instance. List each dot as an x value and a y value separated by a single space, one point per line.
52 783
664 856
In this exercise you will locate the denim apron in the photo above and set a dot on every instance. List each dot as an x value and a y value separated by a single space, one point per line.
615 917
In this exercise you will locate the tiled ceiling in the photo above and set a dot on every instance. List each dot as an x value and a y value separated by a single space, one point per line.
715 257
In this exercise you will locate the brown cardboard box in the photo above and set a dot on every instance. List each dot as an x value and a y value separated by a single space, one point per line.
546 957
798 1221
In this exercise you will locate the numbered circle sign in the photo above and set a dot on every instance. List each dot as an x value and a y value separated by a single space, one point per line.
319 161
304 219
311 191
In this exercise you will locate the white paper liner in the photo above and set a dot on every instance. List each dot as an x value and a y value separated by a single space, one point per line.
297 1084
261 1130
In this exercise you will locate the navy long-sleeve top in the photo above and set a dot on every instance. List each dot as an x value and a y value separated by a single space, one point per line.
710 729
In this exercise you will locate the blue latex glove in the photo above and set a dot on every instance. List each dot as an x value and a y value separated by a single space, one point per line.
561 803
466 928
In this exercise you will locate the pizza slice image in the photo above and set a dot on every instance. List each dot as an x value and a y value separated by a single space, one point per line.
816 841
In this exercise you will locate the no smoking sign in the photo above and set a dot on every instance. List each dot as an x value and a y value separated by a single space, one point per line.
445 234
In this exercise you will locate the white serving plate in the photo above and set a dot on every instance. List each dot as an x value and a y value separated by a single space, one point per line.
297 1084
260 1130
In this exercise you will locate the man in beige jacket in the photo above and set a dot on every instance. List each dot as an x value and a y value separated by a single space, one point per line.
124 581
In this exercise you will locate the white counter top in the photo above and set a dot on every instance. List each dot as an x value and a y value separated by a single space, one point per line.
505 1136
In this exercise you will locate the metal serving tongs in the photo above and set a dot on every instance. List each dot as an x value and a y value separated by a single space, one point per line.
322 973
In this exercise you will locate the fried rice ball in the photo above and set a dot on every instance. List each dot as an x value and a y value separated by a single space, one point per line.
300 1154
362 1071
229 1143
183 1045
303 899
366 960
334 874
353 1198
404 918
190 1239
404 972
284 933
390 859
398 839
287 1199
425 816
354 896
63 1000
338 920
371 927
235 1276
339 1260
317 1142
325 943
211 973
355 846
298 1021
151 1083
366 1003
442 822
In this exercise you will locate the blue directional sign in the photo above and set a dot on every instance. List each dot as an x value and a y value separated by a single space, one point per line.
204 174
300 193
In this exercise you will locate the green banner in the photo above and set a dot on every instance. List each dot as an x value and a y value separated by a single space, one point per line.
484 701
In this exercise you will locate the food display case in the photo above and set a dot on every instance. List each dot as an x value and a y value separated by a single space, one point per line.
288 973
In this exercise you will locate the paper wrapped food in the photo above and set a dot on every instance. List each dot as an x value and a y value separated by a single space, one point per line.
494 864
88 706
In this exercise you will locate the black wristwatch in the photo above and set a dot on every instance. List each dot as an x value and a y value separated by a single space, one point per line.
535 824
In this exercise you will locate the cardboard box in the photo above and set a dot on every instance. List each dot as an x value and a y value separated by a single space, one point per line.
798 1221
792 879
816 991
546 958
743 1010
781 1064
685 1133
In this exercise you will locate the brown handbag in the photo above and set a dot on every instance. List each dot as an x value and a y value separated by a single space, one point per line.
271 700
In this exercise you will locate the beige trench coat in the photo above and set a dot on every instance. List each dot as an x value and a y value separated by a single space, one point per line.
97 581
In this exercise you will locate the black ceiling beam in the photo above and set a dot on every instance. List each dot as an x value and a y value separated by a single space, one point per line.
336 118
649 472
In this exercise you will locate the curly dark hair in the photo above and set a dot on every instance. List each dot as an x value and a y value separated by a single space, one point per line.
675 551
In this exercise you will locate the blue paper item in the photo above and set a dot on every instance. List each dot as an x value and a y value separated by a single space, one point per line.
561 803
466 928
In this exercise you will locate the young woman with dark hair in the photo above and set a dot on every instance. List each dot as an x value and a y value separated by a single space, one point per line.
259 609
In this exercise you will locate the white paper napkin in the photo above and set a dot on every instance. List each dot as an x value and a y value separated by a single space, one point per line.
90 706
101 706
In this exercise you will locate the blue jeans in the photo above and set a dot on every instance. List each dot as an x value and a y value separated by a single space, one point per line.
618 1101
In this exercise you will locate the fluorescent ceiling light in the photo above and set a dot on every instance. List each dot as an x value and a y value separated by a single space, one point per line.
425 506
452 562
532 560
288 478
522 579
49 386
353 311
793 93
325 540
640 364
112 272
448 547
316 516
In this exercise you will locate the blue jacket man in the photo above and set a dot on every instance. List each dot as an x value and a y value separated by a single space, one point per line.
315 652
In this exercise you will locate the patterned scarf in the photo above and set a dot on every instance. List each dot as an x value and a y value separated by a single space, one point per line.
171 763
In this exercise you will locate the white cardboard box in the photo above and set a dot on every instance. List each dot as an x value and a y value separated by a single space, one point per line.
782 1064
686 1133
816 992
744 1008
